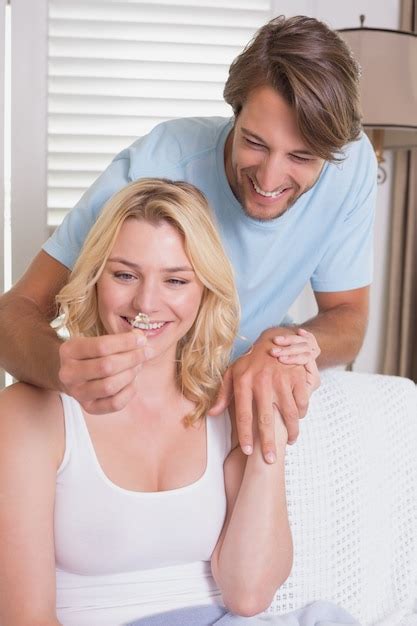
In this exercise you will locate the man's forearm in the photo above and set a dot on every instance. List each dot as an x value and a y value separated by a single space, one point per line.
339 333
28 345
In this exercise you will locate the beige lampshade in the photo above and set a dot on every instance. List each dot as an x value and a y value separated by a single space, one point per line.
388 59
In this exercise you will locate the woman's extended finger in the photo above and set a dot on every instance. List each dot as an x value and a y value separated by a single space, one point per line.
299 348
288 340
297 359
312 341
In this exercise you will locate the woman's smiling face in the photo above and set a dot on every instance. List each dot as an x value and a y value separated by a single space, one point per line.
149 272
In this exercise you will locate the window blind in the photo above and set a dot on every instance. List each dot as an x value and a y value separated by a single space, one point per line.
116 68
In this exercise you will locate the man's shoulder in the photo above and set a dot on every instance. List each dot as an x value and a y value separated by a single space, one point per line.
361 148
206 126
356 166
358 156
174 142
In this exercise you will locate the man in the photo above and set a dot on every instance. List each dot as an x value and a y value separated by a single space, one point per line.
292 182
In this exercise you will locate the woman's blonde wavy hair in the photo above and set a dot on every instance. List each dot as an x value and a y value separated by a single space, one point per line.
203 354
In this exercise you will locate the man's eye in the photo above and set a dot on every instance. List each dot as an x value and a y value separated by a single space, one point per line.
301 159
254 144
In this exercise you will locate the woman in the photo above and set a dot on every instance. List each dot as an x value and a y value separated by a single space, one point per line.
108 518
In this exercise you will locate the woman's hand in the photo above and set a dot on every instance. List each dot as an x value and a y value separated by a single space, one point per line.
300 349
296 349
100 372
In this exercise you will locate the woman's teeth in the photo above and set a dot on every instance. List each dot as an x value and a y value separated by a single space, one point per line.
143 322
143 326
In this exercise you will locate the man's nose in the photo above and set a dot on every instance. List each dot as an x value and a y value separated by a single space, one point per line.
272 173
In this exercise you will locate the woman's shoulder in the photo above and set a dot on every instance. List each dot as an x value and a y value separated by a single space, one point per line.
31 416
27 400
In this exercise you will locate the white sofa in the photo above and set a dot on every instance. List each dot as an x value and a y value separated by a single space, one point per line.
352 498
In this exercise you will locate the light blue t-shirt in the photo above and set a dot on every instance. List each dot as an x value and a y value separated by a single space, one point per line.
326 237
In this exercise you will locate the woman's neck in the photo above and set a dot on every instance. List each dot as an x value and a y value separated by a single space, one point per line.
156 384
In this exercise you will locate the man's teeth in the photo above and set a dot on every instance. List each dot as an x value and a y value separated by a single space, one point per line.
266 194
143 326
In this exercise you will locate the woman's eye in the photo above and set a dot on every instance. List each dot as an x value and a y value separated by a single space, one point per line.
124 276
176 281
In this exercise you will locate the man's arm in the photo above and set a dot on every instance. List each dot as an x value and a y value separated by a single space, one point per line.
340 325
29 346
339 328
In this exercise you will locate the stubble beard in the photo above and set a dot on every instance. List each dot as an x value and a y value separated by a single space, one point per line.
290 203
267 218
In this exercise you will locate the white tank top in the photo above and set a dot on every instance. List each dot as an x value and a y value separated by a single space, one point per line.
123 554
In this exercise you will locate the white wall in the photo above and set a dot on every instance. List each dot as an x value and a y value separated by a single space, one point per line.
340 14
29 131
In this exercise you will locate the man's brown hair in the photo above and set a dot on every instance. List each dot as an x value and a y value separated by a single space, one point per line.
312 68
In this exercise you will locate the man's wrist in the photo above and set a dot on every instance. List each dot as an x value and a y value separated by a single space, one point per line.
275 331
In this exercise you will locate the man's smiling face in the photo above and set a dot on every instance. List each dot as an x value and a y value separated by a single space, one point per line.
268 165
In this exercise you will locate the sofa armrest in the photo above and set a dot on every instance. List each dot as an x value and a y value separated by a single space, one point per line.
352 498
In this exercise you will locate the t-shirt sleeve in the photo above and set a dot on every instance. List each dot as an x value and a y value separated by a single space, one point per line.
66 242
155 154
347 262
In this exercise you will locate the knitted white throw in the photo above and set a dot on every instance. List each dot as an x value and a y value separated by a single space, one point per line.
352 498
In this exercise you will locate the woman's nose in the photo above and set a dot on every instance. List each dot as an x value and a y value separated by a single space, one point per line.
147 298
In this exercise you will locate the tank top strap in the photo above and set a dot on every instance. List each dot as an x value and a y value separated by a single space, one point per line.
219 432
77 437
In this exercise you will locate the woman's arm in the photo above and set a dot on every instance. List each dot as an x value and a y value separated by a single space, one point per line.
253 556
31 447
